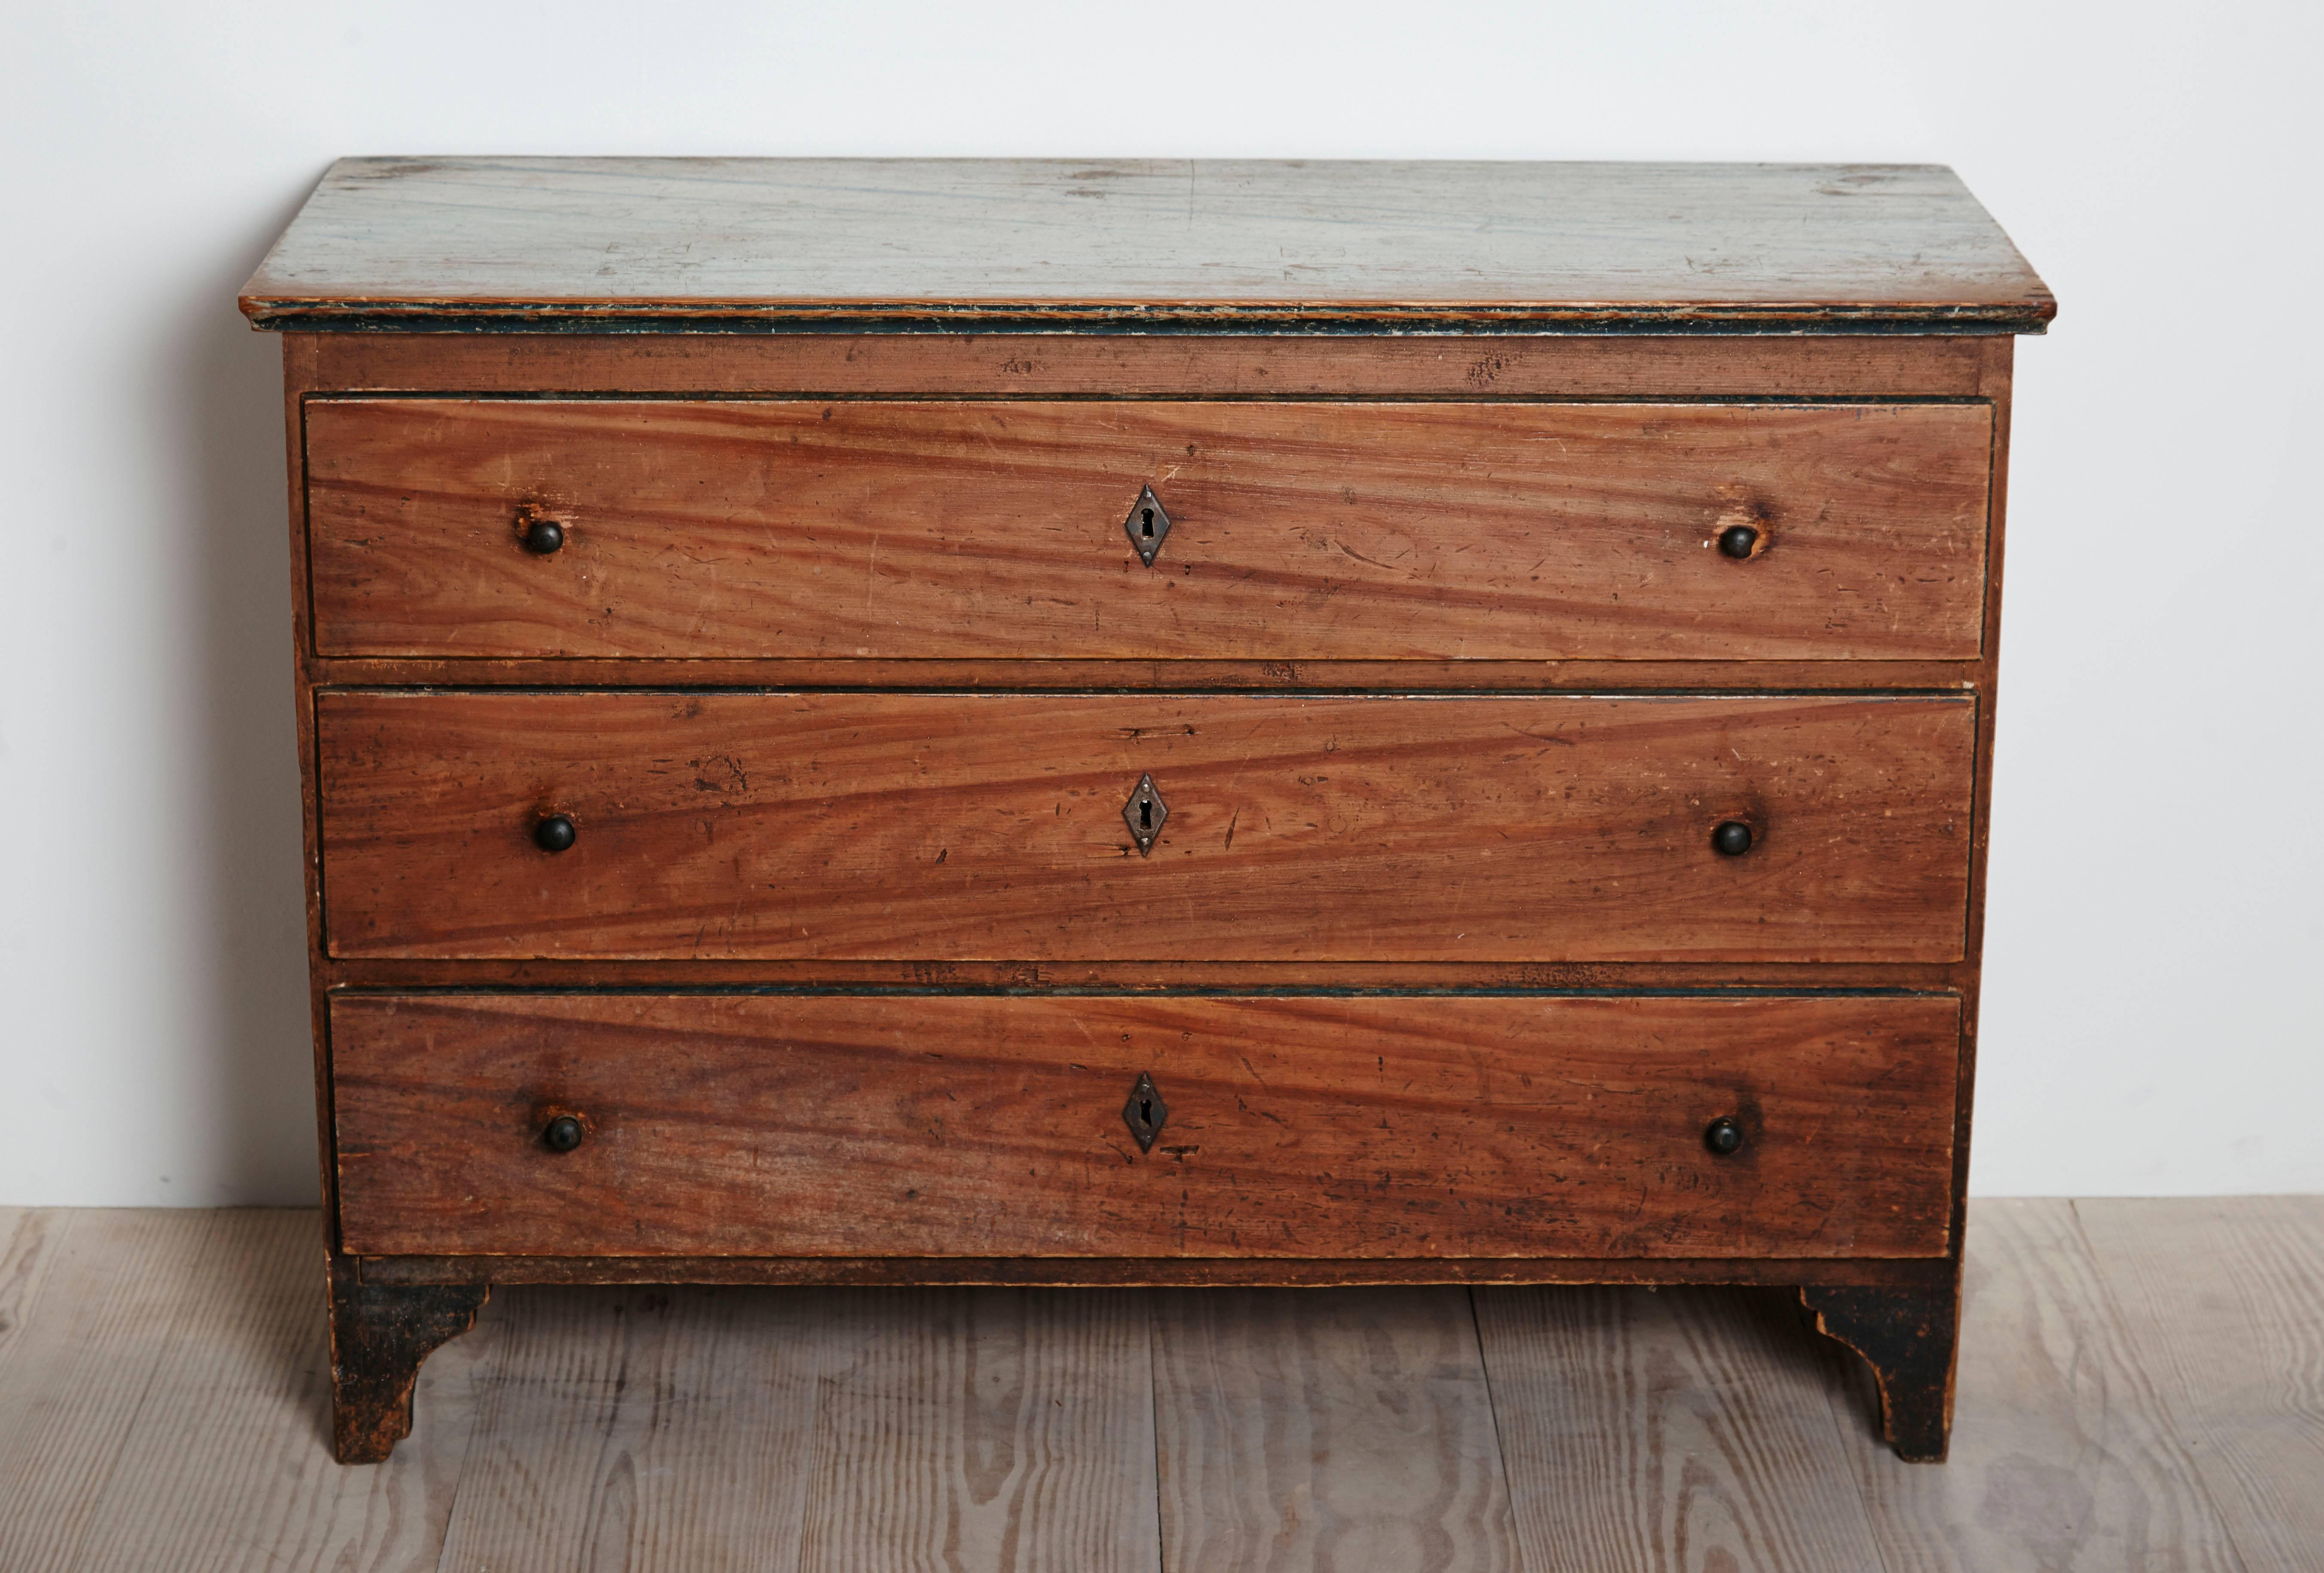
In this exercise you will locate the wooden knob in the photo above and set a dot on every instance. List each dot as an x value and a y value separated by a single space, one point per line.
1723 1136
1732 839
562 1134
553 832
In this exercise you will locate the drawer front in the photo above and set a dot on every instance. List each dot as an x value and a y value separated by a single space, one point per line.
916 1125
996 530
993 826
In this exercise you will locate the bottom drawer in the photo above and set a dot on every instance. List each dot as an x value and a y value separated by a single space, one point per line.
901 1124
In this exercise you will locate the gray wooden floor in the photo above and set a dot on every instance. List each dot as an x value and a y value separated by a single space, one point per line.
2142 1388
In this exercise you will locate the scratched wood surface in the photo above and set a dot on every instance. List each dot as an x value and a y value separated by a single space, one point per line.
1153 244
931 1125
2113 1384
1284 532
990 827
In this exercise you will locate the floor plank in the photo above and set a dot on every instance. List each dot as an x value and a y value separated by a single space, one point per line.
985 1430
28 1249
2064 1456
228 1466
2220 1298
90 1354
2142 1388
641 1429
1666 1429
1339 1430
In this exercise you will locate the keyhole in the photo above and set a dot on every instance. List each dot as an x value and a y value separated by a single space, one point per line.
1146 816
1145 522
1146 1111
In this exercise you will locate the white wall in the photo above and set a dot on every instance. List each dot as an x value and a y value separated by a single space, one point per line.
2156 863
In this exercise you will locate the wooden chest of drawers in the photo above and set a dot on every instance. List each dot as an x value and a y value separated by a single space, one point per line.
1149 723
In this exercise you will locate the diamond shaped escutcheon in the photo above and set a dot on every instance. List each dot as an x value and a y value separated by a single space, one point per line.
1148 525
1145 1112
1144 814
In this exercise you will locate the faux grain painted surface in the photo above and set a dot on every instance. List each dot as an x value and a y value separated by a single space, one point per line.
918 1125
1249 977
1143 243
918 1385
1905 1273
2218 1298
1294 531
1683 1429
1120 366
990 827
1346 1432
2065 1454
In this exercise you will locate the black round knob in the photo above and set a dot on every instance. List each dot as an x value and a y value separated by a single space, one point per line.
553 832
543 536
1735 541
1732 839
563 1133
1723 1136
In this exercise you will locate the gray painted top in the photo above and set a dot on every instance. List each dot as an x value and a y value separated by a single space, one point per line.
1141 246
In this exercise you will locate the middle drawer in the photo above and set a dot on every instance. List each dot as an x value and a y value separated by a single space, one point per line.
1001 826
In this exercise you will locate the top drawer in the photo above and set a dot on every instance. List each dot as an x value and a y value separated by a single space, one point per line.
994 529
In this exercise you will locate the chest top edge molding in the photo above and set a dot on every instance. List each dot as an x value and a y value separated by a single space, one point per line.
1142 247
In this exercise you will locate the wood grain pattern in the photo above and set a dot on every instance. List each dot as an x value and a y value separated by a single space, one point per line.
879 834
29 1239
644 1429
975 1401
1348 1432
75 1382
1148 244
2218 1299
990 827
2000 373
1242 977
1296 531
985 1429
1687 1429
930 1125
1353 677
167 1403
1134 365
2063 1454
1151 1272
223 1468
